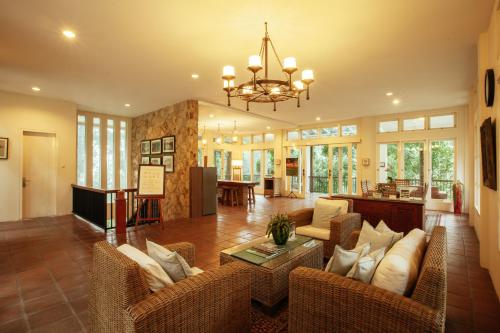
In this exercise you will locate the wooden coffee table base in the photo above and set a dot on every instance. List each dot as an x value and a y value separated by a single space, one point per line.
270 280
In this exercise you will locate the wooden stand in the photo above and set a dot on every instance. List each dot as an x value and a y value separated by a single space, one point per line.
148 200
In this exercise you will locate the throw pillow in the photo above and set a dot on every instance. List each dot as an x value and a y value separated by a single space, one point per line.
382 227
398 271
343 260
172 263
325 210
155 275
376 239
365 266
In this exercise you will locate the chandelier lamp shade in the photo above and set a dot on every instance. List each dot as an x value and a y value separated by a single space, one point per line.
263 89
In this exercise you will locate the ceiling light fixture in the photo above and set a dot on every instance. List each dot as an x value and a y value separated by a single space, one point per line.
195 76
127 105
37 89
69 34
396 101
235 137
318 118
211 115
218 137
203 138
263 89
268 127
389 93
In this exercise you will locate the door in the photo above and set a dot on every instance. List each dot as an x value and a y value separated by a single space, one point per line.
296 183
443 170
387 168
257 168
343 169
413 162
39 175
318 167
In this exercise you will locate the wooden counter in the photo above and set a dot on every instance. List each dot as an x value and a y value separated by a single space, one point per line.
399 215
242 186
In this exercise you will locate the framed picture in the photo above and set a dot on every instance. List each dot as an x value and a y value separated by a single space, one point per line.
155 146
169 144
168 162
145 147
4 148
151 181
365 161
145 160
155 161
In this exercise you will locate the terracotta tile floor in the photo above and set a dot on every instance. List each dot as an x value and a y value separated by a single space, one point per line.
43 265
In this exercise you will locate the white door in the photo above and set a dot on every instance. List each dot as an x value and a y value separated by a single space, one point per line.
39 176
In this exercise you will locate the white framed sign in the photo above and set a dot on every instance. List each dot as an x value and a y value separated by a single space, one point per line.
151 181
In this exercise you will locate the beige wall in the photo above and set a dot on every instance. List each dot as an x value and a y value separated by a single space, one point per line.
486 222
22 112
181 120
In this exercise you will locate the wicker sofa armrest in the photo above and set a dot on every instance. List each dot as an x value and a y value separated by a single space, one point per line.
302 217
327 302
353 239
185 249
214 301
342 226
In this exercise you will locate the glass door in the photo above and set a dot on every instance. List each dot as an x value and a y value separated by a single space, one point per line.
343 169
227 165
296 183
442 169
413 162
387 162
218 163
257 167
318 166
247 166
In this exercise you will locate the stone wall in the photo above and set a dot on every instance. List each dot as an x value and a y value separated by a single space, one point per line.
181 120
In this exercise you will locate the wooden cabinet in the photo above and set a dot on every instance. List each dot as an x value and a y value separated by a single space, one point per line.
202 191
399 215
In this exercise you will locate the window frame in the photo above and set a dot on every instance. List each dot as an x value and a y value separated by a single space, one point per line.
387 121
424 118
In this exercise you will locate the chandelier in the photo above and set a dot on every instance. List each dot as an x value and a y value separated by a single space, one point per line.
263 89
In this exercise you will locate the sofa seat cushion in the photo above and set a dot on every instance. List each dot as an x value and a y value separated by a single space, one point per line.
155 275
311 231
398 271
325 210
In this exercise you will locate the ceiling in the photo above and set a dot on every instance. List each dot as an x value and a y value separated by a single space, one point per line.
144 53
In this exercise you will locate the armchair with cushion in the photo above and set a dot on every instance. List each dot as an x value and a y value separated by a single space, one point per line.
120 299
327 302
340 230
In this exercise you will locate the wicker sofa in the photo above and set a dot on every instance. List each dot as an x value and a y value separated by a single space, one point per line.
341 226
327 302
120 300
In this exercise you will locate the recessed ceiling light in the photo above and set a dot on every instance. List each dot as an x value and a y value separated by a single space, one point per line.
396 101
69 34
318 118
35 88
389 93
211 115
127 105
268 127
195 76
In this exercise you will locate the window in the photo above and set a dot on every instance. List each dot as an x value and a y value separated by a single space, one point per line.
414 124
309 133
228 139
354 169
442 168
218 163
413 161
227 165
445 121
247 175
246 140
81 169
257 138
96 153
123 155
388 126
269 171
349 130
293 135
329 131
110 154
200 157
269 137
477 166
388 162
257 165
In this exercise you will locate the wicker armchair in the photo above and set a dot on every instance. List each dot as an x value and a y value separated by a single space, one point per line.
120 300
341 226
327 302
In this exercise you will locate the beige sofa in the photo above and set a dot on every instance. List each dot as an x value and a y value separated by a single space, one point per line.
120 300
327 302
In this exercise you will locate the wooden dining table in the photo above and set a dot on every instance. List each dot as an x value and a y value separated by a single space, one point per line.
242 186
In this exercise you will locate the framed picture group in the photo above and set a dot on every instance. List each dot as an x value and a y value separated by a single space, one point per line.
159 152
4 148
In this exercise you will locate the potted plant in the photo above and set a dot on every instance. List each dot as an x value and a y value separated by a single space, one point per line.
279 226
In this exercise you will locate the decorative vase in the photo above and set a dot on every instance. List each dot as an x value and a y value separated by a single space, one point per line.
280 236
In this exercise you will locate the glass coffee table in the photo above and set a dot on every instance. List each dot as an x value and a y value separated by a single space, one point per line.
270 278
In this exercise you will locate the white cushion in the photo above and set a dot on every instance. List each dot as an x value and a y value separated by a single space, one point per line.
398 271
365 266
171 262
376 239
382 227
325 210
309 230
155 275
343 260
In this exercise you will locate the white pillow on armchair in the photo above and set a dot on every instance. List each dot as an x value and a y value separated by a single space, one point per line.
325 210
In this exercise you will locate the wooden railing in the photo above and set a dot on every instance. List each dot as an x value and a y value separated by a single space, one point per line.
98 206
319 184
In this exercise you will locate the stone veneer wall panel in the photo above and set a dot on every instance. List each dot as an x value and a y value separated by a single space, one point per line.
181 120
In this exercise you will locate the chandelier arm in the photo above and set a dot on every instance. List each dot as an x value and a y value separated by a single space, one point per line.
265 90
254 98
275 53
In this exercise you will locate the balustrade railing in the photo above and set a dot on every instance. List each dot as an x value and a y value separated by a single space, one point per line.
445 186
